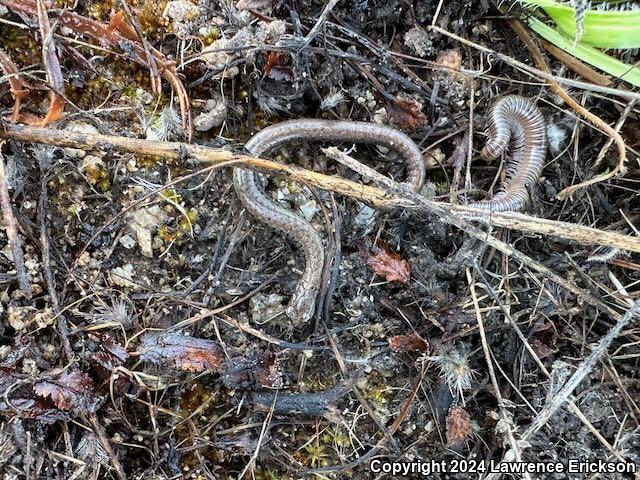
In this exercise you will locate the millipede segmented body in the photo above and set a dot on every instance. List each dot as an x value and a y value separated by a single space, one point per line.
247 186
515 123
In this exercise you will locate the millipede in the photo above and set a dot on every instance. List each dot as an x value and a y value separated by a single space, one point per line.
515 125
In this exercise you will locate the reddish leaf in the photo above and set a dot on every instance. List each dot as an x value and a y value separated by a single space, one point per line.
275 66
405 113
110 353
268 373
542 350
35 408
458 424
45 398
386 262
185 353
544 342
408 343
69 391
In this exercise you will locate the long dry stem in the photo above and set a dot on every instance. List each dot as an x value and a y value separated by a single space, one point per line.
377 197
12 233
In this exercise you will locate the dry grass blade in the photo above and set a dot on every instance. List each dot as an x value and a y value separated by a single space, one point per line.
52 67
540 61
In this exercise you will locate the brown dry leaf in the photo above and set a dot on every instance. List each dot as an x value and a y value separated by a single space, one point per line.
69 391
180 351
387 263
110 353
408 343
405 113
458 424
276 66
268 372
544 341
17 398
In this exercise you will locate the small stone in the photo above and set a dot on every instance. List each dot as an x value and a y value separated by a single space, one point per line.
144 221
218 57
29 318
265 307
123 277
182 15
309 209
365 216
127 242
215 112
419 40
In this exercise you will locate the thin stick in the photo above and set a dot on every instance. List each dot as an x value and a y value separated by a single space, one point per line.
492 375
561 397
12 233
374 196
61 321
582 69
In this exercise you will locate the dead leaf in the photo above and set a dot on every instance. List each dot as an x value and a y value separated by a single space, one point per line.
458 423
110 353
387 263
56 396
181 351
405 113
69 391
275 66
408 343
450 59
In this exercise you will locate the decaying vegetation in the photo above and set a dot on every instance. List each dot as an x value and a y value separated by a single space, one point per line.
143 330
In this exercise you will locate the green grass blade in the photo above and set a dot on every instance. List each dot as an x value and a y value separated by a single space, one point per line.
602 29
588 54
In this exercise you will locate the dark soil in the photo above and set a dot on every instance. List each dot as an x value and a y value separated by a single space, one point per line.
183 410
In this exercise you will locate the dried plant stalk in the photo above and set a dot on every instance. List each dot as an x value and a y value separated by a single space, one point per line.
12 233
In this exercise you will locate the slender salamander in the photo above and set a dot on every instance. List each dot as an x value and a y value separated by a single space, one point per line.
514 121
306 239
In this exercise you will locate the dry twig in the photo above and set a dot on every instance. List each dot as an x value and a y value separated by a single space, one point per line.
375 196
12 233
